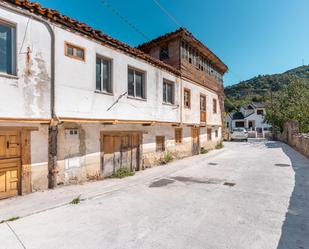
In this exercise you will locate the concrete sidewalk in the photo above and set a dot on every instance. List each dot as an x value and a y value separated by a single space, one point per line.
37 202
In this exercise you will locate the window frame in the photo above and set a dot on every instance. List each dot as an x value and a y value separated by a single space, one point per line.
258 112
162 149
101 57
75 47
184 102
205 104
214 106
14 38
168 82
144 83
180 139
164 52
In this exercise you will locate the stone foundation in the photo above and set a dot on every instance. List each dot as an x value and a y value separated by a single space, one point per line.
291 136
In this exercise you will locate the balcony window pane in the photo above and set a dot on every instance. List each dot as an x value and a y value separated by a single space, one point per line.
131 82
139 84
106 76
98 74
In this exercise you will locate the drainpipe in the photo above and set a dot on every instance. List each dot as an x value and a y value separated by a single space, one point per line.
53 128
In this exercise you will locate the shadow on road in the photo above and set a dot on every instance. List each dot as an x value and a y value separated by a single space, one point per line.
295 229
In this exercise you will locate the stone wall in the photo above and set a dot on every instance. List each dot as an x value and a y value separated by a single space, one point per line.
291 136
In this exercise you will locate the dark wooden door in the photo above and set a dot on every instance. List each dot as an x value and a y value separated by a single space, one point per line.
120 150
195 133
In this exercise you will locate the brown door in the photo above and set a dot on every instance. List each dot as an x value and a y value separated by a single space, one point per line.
195 133
10 162
209 131
202 108
121 150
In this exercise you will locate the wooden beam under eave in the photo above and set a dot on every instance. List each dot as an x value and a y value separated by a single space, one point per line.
25 120
22 128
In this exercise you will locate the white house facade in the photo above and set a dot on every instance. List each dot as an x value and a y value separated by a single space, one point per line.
251 117
77 105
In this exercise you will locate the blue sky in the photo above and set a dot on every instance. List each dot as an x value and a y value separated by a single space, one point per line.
251 36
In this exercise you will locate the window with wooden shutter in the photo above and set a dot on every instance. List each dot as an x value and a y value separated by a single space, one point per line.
160 143
178 135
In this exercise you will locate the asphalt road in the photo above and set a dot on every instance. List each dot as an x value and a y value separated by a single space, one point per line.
241 197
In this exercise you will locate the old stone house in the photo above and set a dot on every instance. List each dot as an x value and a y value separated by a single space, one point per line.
77 104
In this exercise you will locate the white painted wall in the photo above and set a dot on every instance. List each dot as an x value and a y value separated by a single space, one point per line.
76 96
192 115
75 88
258 119
27 95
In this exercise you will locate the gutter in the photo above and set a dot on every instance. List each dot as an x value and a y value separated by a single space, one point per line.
52 54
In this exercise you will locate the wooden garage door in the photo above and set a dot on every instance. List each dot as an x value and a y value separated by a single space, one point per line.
120 150
195 133
10 162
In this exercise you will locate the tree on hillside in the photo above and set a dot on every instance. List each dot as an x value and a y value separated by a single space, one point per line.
290 103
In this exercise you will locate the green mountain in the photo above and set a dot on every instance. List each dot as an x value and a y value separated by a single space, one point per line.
258 88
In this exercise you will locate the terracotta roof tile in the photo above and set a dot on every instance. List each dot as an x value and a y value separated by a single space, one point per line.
57 17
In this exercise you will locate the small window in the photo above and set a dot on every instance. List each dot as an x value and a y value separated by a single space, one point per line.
168 92
136 83
103 75
260 112
217 133
164 53
71 131
160 143
74 52
178 135
203 103
187 98
214 105
7 49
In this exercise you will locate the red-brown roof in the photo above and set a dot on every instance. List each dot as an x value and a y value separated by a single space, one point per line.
56 17
182 32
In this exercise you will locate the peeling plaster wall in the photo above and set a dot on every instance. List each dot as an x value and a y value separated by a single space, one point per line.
27 95
82 161
39 158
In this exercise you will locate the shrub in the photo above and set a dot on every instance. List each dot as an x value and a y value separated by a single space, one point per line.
168 157
123 172
76 200
10 219
203 150
220 145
